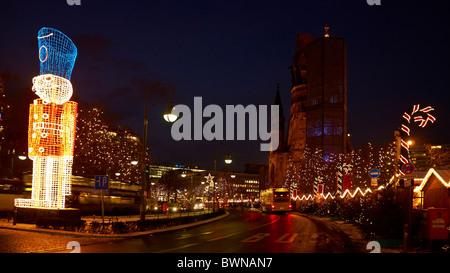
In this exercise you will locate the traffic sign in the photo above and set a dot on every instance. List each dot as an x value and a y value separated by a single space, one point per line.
374 182
101 182
408 168
374 173
411 176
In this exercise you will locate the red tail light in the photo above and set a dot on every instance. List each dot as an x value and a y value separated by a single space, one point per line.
273 206
290 206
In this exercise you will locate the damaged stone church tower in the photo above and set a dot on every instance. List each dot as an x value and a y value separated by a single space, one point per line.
318 113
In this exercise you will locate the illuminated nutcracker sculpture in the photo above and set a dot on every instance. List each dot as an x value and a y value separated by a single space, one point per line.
52 122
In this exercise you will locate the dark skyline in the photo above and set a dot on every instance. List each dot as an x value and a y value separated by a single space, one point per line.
236 53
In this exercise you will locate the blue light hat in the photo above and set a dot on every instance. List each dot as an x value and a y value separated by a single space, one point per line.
57 53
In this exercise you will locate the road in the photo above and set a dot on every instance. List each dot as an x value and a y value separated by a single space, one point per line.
17 241
238 233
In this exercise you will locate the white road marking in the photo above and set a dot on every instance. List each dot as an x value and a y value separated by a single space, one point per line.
176 248
282 240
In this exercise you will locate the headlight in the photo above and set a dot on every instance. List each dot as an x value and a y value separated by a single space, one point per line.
174 209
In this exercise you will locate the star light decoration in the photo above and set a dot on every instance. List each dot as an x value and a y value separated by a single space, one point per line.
209 178
209 182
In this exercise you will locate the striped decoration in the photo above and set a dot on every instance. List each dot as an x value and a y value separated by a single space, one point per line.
405 130
343 169
318 180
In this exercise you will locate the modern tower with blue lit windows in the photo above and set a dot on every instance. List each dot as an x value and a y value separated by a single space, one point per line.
326 96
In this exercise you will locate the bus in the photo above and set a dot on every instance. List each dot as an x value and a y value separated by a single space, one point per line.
275 200
120 199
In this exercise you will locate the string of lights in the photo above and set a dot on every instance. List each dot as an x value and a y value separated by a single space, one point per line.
346 194
300 176
101 148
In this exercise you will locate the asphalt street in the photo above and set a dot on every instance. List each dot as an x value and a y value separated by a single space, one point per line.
250 232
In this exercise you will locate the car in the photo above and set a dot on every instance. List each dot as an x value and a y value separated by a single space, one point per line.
158 207
173 207
198 206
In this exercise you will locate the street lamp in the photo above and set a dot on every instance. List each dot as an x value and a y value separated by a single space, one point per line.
191 174
134 162
228 161
169 116
21 157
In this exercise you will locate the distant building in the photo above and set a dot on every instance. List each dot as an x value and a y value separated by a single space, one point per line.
260 169
10 143
230 186
436 156
243 187
156 171
4 108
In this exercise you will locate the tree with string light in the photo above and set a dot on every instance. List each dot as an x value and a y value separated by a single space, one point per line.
363 159
101 149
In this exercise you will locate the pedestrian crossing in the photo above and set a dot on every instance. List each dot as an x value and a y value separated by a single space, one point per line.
289 238
278 238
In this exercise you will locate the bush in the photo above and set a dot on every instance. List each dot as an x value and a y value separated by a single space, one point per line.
120 227
378 214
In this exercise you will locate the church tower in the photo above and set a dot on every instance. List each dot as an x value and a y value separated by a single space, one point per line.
278 158
296 139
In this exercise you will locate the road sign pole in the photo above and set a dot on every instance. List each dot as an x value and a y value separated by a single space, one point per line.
374 182
102 183
103 207
374 173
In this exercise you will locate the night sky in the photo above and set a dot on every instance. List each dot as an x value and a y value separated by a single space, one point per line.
235 52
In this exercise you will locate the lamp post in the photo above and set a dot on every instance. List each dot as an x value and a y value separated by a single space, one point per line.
228 161
169 117
191 174
21 157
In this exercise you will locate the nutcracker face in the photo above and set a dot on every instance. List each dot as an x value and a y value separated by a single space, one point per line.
52 88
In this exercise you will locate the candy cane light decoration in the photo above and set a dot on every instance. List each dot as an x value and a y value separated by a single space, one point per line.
345 168
52 122
420 115
318 180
